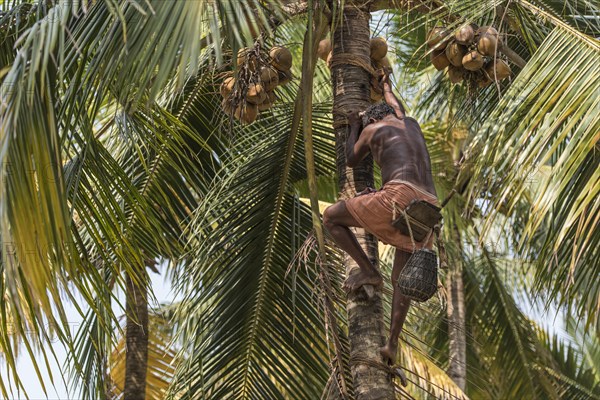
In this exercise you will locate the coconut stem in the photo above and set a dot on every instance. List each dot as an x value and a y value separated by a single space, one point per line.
513 56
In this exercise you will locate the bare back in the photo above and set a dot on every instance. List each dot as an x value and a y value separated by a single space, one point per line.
398 147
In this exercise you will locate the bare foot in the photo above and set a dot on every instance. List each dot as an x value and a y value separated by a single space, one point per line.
355 281
400 374
388 352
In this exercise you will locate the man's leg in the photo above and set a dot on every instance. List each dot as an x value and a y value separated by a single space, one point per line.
337 219
400 305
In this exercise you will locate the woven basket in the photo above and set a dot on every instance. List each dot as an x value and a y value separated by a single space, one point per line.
418 279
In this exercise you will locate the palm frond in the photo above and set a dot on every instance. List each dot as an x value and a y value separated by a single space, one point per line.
167 166
547 118
588 343
498 323
582 15
88 363
426 376
120 196
250 211
574 380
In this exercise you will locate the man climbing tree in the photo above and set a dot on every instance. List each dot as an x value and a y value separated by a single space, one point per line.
398 147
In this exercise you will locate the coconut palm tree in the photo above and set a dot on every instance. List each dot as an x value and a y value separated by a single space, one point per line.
107 129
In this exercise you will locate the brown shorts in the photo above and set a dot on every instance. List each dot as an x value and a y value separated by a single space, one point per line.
375 212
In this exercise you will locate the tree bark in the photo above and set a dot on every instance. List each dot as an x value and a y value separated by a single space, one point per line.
351 91
457 369
136 338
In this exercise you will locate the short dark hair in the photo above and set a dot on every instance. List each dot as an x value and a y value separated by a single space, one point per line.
377 112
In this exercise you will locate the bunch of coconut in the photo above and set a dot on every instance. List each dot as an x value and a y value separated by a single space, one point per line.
252 88
471 54
379 62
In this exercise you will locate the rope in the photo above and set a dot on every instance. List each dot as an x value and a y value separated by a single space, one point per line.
428 237
412 239
393 370
352 59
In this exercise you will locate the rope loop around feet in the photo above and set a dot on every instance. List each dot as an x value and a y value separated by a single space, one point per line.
394 370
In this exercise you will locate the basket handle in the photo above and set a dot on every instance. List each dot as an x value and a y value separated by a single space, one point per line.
412 239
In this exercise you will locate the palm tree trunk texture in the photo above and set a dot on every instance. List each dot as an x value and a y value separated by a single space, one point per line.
457 369
136 336
351 91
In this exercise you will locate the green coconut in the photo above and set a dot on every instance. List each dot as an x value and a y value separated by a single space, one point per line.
498 70
436 38
324 49
439 59
281 58
455 53
465 35
269 78
381 67
473 61
284 77
269 101
488 45
383 63
227 86
246 56
255 94
379 48
487 30
226 106
246 112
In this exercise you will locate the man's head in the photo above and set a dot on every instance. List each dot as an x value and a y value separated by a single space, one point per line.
376 112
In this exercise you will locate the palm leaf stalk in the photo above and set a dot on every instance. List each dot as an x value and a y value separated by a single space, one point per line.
316 29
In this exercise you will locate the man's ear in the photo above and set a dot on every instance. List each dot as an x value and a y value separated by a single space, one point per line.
372 120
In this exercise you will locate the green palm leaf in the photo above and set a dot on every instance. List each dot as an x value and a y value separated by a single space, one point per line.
244 240
574 379
75 217
167 165
548 117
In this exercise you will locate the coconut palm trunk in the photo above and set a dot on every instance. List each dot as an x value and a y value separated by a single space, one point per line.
351 91
457 369
136 336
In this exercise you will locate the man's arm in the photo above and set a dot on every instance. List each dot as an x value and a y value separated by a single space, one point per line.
356 146
390 97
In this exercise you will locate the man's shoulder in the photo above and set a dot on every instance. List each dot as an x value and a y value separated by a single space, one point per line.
384 126
381 124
